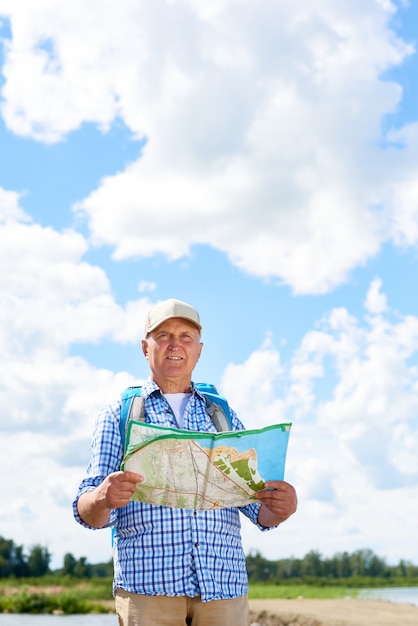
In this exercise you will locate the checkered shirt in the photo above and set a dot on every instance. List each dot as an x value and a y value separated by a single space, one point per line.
161 550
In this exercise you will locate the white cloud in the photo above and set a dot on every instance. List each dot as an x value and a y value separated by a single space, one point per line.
51 298
244 382
263 127
40 495
10 209
368 416
376 301
373 408
352 449
145 286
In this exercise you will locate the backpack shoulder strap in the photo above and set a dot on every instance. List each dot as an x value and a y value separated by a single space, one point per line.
217 407
132 409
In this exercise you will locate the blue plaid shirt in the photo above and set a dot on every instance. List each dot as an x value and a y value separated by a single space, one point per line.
161 550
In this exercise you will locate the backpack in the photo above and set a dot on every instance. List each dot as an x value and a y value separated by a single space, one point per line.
216 407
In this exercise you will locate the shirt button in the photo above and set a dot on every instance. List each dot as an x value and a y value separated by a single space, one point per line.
196 545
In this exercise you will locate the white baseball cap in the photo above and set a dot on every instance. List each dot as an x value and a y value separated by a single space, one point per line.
167 309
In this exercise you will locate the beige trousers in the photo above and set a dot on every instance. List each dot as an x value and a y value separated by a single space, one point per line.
139 610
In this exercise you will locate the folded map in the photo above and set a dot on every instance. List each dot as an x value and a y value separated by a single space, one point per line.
196 470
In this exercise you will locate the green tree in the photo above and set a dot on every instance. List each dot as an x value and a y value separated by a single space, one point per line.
366 563
82 569
14 562
6 547
69 564
38 561
312 564
5 569
102 570
258 568
339 566
289 568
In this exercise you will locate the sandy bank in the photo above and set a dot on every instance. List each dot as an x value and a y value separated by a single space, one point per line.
348 612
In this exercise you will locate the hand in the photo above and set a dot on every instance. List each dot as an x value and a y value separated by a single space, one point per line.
117 489
279 502
113 493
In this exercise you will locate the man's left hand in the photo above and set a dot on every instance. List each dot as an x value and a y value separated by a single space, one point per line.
279 501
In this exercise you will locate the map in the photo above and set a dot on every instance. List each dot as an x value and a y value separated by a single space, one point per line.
194 470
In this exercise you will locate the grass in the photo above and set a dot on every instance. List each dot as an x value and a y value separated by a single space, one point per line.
66 603
71 596
68 595
259 591
63 596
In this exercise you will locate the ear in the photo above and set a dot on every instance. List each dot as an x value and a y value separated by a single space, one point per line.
144 343
200 350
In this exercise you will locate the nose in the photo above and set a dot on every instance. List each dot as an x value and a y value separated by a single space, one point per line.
174 342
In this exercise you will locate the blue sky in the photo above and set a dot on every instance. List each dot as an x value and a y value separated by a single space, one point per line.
258 164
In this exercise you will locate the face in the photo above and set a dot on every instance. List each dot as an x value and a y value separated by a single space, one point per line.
173 349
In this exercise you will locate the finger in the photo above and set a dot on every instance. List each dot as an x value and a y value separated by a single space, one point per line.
272 501
132 477
279 485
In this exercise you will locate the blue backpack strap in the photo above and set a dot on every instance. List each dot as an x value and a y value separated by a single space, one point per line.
127 411
217 406
132 408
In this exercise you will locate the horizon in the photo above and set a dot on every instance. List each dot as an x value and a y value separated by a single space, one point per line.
251 554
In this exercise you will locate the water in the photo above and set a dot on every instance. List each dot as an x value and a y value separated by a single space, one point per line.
407 595
57 620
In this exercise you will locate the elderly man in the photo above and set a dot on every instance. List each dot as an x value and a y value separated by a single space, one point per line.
172 566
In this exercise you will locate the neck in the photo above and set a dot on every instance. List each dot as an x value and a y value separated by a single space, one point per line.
173 386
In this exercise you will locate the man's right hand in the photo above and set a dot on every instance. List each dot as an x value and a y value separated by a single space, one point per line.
114 492
117 489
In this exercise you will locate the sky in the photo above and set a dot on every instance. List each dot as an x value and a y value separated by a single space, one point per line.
256 160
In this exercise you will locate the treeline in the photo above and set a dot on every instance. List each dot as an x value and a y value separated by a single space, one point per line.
80 568
14 562
362 564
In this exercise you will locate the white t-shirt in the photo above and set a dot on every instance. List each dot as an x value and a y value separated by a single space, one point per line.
178 402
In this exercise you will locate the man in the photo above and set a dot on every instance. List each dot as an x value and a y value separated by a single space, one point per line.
172 566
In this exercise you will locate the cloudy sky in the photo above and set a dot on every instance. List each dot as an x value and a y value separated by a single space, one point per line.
257 160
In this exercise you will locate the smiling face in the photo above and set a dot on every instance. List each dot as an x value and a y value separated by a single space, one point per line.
173 350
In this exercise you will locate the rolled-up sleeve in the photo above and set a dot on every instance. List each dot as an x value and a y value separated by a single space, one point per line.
106 457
